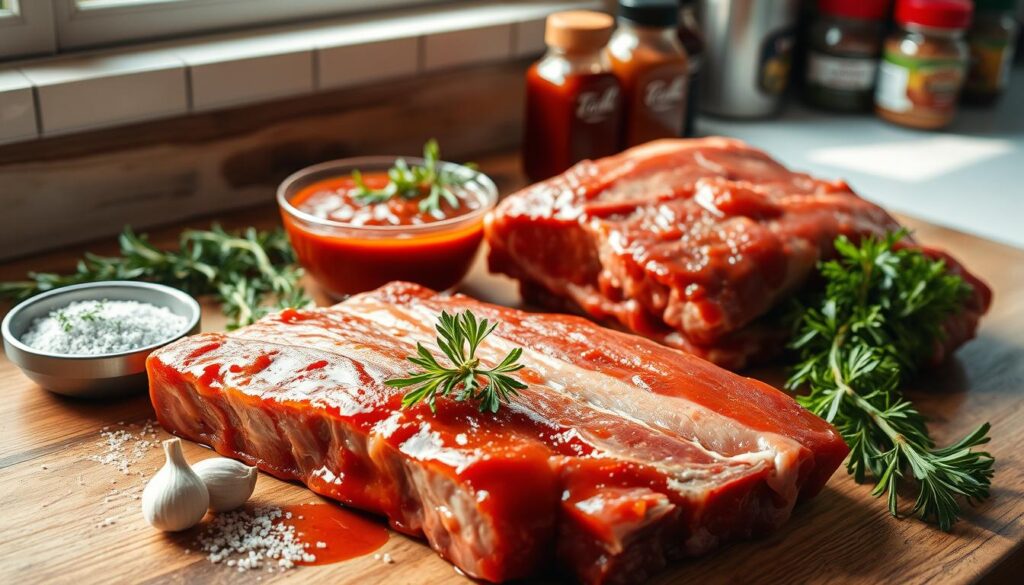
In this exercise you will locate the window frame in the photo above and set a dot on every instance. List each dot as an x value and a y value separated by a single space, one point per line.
46 27
122 21
26 29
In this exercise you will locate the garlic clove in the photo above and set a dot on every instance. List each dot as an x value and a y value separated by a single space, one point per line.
229 482
176 498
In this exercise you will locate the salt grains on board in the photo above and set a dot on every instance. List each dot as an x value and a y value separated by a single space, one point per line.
251 539
103 327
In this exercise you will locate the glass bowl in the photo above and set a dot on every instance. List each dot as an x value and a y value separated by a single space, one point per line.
346 259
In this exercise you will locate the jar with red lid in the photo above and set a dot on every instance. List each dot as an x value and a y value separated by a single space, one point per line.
844 48
573 100
924 63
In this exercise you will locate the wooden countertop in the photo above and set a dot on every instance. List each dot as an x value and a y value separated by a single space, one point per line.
54 499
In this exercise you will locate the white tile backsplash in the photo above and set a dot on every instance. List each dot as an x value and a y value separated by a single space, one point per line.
245 81
131 84
467 47
17 108
356 64
107 89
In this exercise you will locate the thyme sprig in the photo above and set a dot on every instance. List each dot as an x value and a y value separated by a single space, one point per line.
243 270
431 182
880 316
459 336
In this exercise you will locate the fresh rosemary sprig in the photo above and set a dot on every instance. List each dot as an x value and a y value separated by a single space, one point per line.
455 332
242 269
880 316
430 182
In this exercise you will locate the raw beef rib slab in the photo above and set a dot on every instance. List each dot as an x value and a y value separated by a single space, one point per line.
689 242
620 455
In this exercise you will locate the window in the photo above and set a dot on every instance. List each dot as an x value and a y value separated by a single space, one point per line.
26 27
39 27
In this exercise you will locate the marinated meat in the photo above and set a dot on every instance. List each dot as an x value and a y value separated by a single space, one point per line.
689 242
620 455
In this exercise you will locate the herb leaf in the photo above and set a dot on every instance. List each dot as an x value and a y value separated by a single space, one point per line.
243 270
455 333
431 182
880 316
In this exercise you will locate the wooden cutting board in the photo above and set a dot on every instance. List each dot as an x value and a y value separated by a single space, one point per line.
54 500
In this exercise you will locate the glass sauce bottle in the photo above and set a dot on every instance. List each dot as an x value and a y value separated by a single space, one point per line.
651 65
573 101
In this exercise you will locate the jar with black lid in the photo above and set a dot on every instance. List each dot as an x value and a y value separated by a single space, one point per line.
842 61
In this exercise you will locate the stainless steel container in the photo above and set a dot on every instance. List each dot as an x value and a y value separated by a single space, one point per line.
748 57
98 376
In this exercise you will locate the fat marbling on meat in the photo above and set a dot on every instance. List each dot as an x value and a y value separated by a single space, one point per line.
689 242
620 455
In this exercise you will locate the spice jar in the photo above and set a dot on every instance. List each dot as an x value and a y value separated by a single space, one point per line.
842 60
992 40
651 65
924 63
692 40
573 100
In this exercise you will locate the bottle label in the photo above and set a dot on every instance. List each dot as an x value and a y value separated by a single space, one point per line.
665 95
841 73
926 85
594 107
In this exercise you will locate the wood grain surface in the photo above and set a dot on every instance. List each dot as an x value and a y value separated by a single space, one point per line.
54 500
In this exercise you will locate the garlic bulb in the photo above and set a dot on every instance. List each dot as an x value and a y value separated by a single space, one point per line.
176 498
229 482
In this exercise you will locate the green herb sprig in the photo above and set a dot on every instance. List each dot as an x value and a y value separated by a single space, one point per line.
880 316
455 333
429 181
243 270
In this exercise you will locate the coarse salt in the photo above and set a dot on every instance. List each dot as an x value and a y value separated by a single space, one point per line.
103 327
122 447
251 539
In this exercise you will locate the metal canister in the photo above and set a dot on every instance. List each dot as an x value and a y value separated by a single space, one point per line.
748 57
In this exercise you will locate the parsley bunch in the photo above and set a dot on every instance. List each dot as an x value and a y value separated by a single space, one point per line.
243 270
430 181
880 316
455 332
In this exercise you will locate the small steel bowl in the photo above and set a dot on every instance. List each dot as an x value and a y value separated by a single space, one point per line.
93 376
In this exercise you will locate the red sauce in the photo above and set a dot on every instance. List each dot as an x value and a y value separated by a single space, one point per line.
570 121
335 199
347 262
346 534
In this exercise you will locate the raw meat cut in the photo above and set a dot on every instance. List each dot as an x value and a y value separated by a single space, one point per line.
620 455
689 242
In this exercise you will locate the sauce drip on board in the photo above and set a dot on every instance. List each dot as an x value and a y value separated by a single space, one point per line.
346 534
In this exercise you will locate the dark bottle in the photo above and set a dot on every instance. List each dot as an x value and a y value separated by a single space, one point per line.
651 65
842 59
573 101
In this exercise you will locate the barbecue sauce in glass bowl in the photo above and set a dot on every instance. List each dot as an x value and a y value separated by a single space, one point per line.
352 239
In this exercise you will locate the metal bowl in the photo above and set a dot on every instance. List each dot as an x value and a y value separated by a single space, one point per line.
94 376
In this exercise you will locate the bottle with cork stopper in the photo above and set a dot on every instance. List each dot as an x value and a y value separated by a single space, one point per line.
573 101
